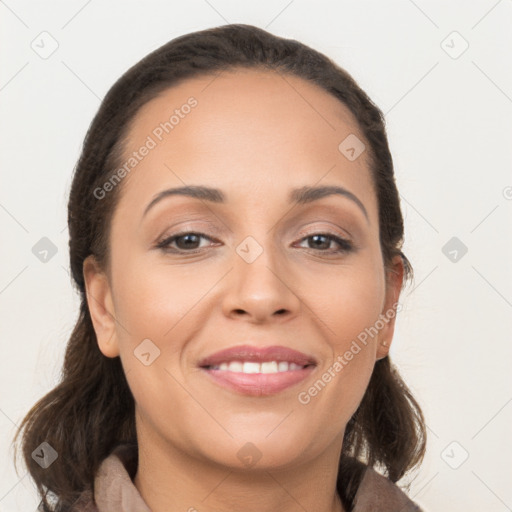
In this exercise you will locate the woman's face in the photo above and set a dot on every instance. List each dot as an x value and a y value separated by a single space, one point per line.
257 269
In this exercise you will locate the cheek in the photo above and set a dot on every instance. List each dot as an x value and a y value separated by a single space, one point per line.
152 299
347 310
348 300
156 303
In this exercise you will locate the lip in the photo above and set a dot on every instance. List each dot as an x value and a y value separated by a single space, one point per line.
258 384
258 354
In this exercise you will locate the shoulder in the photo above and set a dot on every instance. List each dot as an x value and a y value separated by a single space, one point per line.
376 493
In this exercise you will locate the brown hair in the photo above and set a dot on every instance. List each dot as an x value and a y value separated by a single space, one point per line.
91 410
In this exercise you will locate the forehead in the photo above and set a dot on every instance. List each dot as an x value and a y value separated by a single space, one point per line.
244 98
248 130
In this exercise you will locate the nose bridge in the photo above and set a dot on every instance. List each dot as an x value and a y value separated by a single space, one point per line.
258 259
260 286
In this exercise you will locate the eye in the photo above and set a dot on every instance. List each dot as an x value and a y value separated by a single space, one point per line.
324 240
186 241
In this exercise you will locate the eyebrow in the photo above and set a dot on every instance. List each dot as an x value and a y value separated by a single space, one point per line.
303 195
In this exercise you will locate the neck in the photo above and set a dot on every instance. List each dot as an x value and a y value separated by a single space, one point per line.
169 479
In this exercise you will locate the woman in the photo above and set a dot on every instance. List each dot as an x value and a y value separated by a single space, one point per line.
249 371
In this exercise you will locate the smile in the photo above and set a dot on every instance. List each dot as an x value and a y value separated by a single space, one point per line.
257 371
255 367
258 383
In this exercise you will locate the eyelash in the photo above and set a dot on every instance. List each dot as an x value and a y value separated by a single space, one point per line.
346 246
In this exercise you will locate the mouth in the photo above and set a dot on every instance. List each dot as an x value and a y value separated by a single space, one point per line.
258 371
249 367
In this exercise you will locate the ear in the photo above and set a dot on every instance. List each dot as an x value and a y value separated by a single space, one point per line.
394 279
101 307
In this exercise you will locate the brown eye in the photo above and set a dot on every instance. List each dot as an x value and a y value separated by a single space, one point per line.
322 241
185 242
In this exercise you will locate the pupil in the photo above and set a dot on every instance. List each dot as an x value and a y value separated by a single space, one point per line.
317 237
189 239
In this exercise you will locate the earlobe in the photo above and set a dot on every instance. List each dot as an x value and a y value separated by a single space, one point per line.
101 307
382 349
394 279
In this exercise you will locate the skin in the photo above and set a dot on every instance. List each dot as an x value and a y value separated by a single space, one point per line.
255 135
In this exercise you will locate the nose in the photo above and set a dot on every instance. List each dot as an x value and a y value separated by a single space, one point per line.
261 290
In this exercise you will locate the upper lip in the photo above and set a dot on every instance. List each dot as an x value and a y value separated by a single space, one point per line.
258 354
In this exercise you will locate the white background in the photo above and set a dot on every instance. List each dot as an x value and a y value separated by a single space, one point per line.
450 133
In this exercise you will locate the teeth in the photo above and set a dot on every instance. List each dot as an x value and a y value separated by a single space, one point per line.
251 367
269 367
235 366
282 366
255 367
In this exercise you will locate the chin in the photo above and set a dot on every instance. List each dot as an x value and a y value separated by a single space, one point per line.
253 449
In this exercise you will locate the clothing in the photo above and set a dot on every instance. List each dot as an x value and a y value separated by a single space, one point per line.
114 490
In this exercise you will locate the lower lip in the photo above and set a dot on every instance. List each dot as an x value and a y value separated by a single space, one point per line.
259 384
